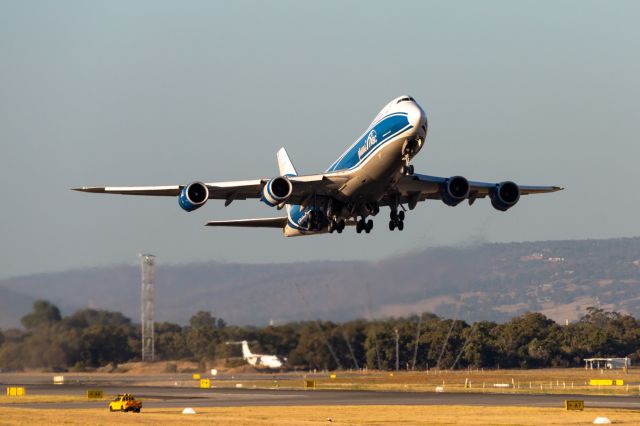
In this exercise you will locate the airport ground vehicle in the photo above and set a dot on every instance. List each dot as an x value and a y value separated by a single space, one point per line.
125 402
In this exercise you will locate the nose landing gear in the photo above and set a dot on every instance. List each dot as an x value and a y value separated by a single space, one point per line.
407 169
409 151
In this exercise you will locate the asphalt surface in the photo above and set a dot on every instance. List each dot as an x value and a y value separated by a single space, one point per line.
178 396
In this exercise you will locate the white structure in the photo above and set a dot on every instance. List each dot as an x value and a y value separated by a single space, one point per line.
147 293
606 363
259 360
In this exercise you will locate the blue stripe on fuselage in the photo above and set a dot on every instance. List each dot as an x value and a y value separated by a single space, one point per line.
385 129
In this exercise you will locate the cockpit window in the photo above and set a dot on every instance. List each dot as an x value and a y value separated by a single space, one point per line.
405 99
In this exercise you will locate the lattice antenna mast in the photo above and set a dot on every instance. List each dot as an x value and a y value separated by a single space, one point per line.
147 296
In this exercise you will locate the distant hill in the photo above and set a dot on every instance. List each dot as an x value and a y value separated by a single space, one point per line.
13 305
489 281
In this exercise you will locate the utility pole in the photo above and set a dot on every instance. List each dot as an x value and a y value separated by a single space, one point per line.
397 350
147 293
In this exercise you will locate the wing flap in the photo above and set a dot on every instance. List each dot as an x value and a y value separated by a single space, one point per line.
269 222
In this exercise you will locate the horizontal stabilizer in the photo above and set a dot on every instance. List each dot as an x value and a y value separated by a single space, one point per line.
268 222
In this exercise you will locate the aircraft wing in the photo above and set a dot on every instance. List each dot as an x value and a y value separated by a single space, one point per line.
421 187
269 222
303 187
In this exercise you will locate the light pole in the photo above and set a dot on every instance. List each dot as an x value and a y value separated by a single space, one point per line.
397 350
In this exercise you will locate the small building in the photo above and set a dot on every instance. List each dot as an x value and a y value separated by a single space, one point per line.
607 363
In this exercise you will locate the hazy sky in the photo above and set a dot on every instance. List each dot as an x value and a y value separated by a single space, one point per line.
151 92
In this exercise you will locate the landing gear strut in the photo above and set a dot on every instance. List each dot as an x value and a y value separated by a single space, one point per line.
409 151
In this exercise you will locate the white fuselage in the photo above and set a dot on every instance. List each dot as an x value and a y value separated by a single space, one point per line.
373 163
258 360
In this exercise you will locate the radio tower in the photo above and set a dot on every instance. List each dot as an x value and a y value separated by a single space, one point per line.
147 263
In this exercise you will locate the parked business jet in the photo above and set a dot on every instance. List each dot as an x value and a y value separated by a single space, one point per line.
375 171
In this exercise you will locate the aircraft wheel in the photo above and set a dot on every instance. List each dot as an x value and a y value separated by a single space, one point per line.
393 215
401 215
331 227
400 225
370 225
392 225
358 227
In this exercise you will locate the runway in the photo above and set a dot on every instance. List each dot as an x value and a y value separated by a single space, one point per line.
180 397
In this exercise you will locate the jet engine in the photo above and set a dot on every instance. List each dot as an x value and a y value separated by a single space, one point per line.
276 191
504 196
454 190
193 196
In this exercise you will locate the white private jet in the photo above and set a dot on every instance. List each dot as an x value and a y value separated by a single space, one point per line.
374 172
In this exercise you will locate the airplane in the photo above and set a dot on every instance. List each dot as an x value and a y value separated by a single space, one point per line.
374 172
271 362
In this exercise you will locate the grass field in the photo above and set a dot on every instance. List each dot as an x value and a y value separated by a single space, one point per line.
559 381
343 415
52 399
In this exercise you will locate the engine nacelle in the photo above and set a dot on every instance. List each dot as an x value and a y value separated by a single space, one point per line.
276 191
193 196
454 190
504 196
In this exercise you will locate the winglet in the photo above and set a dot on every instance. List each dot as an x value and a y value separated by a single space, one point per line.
95 189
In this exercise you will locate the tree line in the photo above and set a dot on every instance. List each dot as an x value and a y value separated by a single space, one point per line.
91 338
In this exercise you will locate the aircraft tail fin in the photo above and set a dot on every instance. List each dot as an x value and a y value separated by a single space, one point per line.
245 349
284 163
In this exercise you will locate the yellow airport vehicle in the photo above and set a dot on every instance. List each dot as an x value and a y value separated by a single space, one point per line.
125 402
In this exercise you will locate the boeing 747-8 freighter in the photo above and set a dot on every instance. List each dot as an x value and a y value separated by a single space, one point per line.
375 171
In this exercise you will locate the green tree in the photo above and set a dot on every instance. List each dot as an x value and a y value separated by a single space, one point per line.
171 343
480 348
203 335
43 314
102 345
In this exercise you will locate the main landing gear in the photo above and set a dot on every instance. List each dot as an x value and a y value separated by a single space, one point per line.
336 226
362 225
397 220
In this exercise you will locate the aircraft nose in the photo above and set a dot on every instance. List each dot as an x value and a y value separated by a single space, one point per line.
416 116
